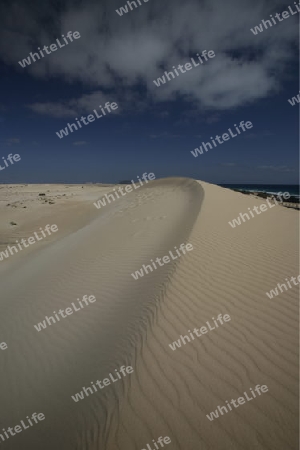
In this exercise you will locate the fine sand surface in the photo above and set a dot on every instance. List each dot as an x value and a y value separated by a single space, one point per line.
134 321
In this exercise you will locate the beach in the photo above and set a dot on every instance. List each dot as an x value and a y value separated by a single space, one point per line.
135 321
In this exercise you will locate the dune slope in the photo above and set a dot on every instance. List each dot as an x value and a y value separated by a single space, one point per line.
230 271
41 370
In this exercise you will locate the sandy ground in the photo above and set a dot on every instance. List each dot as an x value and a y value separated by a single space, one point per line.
134 321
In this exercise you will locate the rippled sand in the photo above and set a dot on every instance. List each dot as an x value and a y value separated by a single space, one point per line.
134 321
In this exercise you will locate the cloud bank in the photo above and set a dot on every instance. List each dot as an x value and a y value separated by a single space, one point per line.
117 58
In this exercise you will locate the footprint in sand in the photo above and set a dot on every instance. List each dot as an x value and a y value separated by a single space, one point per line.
149 218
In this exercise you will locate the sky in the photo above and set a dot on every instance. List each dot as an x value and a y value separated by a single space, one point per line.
154 129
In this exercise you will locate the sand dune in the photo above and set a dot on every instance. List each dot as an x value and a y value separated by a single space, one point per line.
134 321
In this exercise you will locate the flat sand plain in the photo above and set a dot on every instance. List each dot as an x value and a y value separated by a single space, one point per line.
133 322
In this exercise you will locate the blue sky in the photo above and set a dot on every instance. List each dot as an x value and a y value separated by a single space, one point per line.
154 130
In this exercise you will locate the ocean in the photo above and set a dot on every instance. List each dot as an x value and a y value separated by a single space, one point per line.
293 189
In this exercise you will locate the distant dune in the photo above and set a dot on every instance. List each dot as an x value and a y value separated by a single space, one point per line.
133 322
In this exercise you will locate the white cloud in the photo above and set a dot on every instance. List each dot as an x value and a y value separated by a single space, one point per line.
120 54
12 141
228 164
277 168
74 107
54 109
79 143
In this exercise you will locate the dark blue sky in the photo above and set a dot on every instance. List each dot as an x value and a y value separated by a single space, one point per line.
150 132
